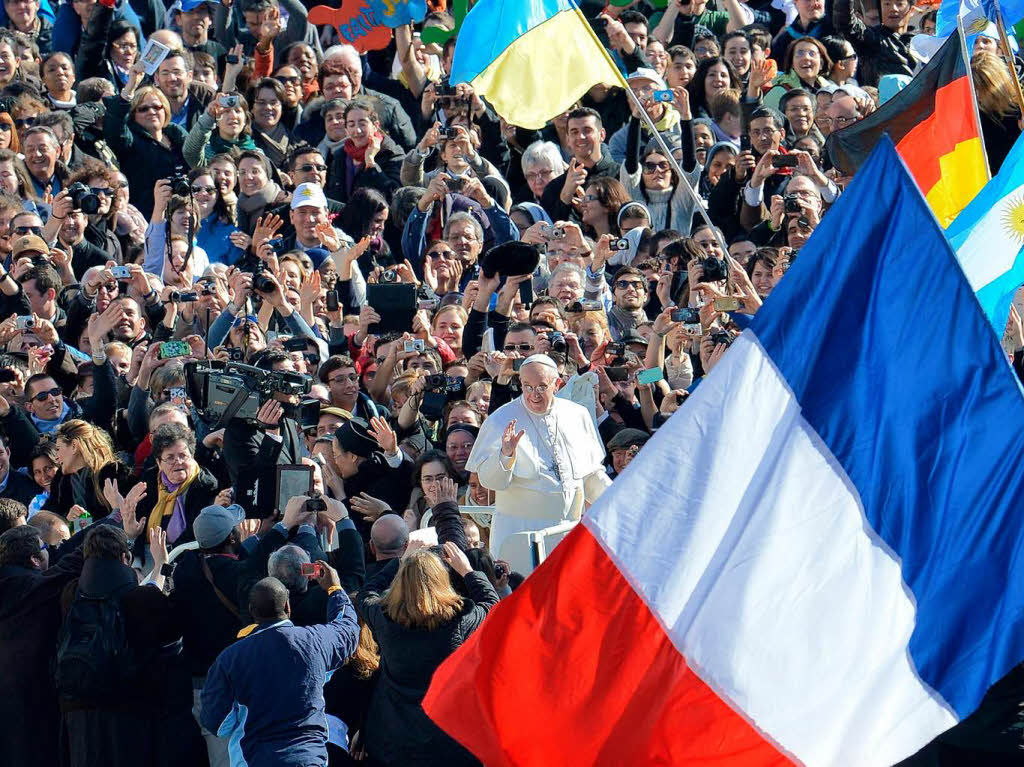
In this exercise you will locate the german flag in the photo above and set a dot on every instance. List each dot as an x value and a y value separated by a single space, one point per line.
934 124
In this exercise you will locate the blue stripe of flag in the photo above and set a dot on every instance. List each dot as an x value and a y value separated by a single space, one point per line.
880 337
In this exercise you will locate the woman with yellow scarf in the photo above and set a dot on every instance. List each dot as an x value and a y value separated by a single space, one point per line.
177 489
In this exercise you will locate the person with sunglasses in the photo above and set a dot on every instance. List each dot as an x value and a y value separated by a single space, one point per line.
218 235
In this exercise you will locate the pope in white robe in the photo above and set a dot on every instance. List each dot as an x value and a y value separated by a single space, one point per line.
540 455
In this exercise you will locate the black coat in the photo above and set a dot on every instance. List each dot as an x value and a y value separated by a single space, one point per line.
69 490
252 456
151 724
21 487
144 160
606 167
30 619
385 177
398 732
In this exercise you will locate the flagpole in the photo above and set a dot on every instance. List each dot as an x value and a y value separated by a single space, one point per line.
650 125
1008 53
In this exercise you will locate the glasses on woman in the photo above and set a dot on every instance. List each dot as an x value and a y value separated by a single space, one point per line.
24 122
289 79
147 108
106 191
6 127
653 167
436 254
125 46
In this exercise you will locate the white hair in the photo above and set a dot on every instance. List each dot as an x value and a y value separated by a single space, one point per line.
341 51
286 563
543 153
568 268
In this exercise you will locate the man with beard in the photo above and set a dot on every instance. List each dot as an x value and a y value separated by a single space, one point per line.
629 296
195 18
188 99
71 224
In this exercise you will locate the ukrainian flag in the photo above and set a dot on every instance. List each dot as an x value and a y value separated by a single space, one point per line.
531 59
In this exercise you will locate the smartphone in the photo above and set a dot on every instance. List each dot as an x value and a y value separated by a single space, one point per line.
7 375
177 395
686 315
331 300
312 570
171 349
516 364
120 272
650 375
292 480
25 321
664 97
744 142
526 293
416 345
617 374
228 99
784 161
727 304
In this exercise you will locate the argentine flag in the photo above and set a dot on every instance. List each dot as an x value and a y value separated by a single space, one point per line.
988 237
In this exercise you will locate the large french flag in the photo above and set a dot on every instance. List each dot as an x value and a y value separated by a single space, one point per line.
818 559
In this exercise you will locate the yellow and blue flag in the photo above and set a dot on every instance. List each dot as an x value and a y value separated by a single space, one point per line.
531 59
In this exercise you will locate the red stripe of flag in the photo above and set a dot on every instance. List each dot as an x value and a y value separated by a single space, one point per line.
950 124
574 669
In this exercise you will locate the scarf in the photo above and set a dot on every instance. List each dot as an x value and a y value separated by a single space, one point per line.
328 147
357 154
669 121
248 203
171 502
276 142
49 427
219 145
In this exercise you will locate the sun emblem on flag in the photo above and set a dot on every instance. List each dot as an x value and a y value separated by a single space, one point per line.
976 26
1013 217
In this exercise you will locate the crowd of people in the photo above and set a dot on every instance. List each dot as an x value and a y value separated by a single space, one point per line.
269 257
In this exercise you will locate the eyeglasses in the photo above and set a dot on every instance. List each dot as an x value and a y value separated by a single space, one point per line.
651 167
24 122
24 229
173 459
290 80
198 189
535 175
541 389
109 287
6 127
310 167
436 254
627 284
518 347
44 395
106 191
591 198
149 108
127 45
339 379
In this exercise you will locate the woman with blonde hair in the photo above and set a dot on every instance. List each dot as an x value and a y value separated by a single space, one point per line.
85 457
418 622
1000 116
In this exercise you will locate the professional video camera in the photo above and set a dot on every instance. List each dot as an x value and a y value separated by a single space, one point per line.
221 391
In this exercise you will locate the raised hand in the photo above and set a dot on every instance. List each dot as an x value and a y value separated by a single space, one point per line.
510 439
384 434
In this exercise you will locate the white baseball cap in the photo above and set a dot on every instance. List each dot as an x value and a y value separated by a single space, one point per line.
308 194
645 73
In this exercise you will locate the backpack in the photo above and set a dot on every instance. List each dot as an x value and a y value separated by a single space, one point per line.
94 663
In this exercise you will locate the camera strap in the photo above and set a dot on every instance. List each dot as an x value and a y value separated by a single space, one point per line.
220 594
233 407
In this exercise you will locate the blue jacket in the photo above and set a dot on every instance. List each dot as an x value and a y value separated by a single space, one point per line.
265 693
